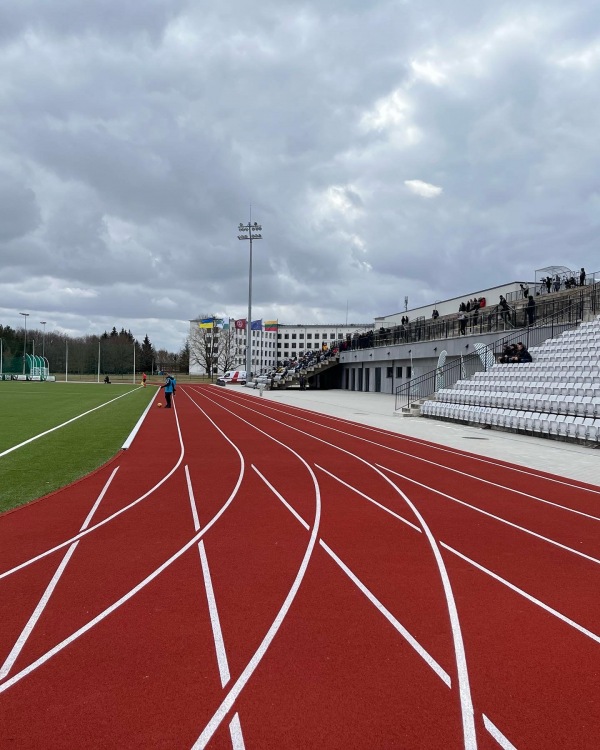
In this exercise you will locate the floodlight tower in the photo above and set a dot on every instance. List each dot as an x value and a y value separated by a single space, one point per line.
25 315
43 323
249 232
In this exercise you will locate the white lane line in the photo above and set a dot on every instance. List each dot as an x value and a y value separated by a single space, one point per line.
110 518
63 424
130 594
455 452
370 499
210 594
235 730
256 658
427 658
280 497
464 689
504 743
411 640
130 438
529 597
496 518
235 727
37 612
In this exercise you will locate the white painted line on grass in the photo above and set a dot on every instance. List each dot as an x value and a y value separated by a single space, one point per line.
524 594
497 734
496 518
63 424
37 612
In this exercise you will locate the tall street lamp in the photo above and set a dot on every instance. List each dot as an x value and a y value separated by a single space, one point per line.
249 232
43 323
25 315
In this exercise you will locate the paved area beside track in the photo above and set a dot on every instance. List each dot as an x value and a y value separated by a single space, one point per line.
579 462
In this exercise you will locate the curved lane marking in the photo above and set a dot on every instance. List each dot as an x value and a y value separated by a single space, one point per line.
109 610
93 528
466 702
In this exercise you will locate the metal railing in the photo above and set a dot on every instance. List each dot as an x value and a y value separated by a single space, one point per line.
568 316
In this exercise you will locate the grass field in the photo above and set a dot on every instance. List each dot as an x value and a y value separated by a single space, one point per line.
28 409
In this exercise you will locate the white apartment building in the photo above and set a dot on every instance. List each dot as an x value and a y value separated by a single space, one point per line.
268 347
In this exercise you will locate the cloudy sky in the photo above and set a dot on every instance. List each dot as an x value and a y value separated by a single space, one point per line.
389 148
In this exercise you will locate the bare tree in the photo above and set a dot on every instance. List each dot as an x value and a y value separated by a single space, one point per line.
226 352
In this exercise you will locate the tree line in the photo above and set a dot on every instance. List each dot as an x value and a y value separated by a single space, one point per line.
80 354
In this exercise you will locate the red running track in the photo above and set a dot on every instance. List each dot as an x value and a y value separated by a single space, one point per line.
249 574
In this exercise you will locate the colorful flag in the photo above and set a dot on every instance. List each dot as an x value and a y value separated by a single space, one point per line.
219 322
256 325
241 324
206 323
271 325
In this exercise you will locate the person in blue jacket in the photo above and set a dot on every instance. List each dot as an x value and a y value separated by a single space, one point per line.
169 386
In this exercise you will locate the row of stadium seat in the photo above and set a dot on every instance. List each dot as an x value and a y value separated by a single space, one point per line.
558 394
560 425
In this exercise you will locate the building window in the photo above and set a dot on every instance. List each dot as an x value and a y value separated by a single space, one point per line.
389 372
317 335
309 335
409 372
300 335
398 372
293 335
286 336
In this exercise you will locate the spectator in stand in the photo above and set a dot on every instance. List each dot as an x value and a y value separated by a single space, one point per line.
557 283
522 355
524 290
508 353
548 283
530 310
582 277
435 314
504 308
475 318
462 321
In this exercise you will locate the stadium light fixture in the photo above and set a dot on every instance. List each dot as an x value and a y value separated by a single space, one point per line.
249 232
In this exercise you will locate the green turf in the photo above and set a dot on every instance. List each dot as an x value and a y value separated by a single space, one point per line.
66 454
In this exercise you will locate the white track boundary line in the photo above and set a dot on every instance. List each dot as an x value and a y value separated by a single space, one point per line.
421 442
496 518
235 727
142 584
466 703
64 424
110 518
139 423
524 594
37 612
